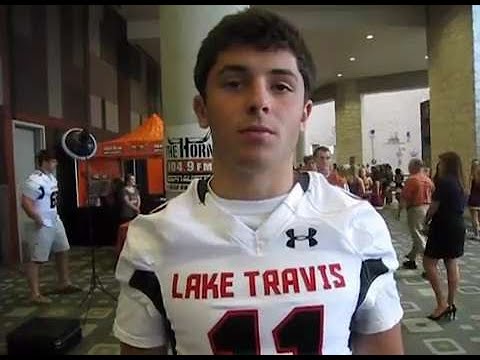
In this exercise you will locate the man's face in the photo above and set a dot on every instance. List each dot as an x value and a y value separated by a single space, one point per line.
323 160
50 165
254 106
311 165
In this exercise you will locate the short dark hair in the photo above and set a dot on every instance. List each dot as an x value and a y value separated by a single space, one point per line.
322 149
261 29
127 177
45 155
307 158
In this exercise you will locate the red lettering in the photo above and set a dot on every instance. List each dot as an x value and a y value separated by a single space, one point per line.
340 282
209 285
175 293
193 286
290 278
226 282
251 281
271 282
309 280
323 272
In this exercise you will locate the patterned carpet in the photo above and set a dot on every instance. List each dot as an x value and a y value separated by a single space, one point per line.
96 325
421 335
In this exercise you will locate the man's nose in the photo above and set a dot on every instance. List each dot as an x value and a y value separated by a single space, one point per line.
259 100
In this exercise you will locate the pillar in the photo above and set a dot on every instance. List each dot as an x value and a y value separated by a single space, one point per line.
348 122
453 116
188 148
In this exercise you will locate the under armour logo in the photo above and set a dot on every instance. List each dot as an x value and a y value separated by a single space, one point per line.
310 237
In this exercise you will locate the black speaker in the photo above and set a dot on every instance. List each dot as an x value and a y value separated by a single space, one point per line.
46 336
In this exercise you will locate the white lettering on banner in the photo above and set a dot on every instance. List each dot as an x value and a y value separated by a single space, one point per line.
188 158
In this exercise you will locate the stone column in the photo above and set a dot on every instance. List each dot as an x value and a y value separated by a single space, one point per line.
348 122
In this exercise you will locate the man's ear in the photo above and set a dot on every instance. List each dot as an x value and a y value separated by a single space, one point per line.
201 110
307 110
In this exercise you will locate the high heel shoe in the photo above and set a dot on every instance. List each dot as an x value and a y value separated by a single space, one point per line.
445 312
453 311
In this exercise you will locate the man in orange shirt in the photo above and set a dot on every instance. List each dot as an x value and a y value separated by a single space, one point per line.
416 197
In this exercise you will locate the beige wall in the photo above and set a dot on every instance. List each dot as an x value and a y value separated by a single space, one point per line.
452 98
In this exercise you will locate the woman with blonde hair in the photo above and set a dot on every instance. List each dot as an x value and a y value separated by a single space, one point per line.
446 235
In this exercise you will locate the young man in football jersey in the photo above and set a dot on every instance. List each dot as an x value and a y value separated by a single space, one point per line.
259 259
39 201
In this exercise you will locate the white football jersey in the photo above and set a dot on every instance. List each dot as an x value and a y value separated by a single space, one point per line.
195 276
43 189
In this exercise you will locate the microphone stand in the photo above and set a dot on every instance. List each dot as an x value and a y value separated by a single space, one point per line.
95 282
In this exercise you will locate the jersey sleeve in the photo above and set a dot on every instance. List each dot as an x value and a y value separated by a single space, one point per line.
378 307
138 321
32 189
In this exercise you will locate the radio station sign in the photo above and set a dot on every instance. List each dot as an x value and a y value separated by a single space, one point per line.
188 158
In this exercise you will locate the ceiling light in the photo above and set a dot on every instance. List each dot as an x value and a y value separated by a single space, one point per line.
339 75
426 57
352 58
369 37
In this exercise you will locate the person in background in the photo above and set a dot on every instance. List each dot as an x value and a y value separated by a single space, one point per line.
309 163
377 198
39 201
323 156
474 199
355 183
446 235
130 198
398 180
416 197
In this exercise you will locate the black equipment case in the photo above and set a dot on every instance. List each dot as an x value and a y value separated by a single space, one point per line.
47 336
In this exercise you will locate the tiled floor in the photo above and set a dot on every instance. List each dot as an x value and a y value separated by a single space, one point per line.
421 335
96 325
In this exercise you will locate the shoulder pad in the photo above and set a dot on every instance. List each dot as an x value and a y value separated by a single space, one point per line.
159 208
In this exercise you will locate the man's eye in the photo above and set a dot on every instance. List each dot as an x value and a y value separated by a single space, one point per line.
232 84
282 87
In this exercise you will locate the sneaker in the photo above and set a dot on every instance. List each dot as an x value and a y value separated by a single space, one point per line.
41 300
409 264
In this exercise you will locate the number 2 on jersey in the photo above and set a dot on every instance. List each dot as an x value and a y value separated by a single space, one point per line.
300 332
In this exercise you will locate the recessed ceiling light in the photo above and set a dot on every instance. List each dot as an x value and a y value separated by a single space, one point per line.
426 57
352 58
339 75
369 37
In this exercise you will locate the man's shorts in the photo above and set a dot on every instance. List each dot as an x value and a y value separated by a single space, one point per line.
47 239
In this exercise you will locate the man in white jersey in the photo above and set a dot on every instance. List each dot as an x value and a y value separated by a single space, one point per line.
259 259
39 201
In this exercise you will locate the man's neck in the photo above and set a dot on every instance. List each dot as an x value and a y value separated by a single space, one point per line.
251 185
45 171
325 172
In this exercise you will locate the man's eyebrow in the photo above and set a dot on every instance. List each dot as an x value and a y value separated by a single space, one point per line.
287 72
244 69
233 68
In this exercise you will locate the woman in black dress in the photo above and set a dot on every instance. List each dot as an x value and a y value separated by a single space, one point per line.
446 232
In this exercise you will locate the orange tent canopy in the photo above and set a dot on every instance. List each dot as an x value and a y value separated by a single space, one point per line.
144 141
